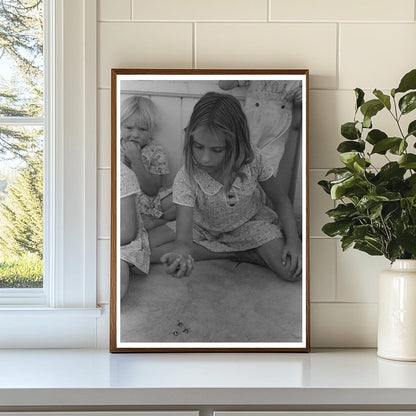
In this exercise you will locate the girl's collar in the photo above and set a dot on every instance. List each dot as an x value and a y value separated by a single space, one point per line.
211 186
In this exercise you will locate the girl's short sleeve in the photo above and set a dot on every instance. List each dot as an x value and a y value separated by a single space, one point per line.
129 185
263 167
182 190
159 161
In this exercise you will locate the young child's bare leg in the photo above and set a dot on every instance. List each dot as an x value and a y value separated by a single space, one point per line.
271 253
160 237
124 278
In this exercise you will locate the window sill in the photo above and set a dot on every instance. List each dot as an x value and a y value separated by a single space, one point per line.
40 327
323 379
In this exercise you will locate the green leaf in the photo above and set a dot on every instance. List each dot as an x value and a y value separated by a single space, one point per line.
349 146
346 242
369 201
325 186
359 95
393 250
402 147
359 166
383 145
385 99
398 149
342 211
407 240
367 122
408 102
361 231
333 229
391 170
338 189
349 131
374 136
348 158
350 187
408 161
411 130
375 211
371 108
368 248
338 171
408 82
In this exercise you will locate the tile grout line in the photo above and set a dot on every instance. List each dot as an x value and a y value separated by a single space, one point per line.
194 61
335 254
338 63
254 21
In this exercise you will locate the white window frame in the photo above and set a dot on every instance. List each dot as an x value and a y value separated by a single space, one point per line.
64 313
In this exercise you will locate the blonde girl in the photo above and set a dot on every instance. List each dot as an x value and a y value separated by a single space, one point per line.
146 158
220 213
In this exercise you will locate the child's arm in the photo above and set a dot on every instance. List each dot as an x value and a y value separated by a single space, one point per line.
284 209
149 182
229 85
179 262
128 226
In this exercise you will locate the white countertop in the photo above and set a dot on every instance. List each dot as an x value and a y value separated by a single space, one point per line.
96 377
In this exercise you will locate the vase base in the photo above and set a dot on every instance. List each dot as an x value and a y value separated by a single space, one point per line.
396 357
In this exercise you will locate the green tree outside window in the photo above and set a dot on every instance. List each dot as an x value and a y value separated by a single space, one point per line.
21 143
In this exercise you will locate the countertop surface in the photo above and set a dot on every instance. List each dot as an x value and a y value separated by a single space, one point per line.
91 377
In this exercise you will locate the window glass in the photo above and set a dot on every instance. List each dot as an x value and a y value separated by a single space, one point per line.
21 143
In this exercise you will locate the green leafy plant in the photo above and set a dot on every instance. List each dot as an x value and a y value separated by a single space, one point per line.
376 209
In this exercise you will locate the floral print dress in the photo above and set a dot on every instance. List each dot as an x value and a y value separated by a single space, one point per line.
137 252
155 161
233 221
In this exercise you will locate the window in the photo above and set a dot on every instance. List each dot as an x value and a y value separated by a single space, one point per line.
63 312
22 128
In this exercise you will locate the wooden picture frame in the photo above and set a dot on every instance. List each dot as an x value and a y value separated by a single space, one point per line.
228 304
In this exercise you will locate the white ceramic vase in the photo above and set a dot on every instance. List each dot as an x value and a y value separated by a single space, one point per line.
397 312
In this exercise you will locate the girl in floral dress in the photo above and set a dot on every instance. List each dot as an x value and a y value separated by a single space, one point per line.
220 213
147 159
134 250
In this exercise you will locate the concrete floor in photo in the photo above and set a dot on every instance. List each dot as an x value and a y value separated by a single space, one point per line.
222 301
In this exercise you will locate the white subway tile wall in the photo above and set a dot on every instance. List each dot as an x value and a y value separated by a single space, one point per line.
201 10
339 11
345 44
271 45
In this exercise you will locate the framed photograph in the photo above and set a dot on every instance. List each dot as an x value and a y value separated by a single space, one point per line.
209 211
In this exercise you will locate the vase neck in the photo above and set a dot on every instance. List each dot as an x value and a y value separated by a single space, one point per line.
404 265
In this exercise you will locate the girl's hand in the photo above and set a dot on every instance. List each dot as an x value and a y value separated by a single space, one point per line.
132 151
178 265
292 252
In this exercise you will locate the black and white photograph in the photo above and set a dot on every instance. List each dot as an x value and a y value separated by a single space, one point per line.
209 210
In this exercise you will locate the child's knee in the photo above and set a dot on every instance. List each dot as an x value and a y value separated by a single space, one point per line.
282 270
